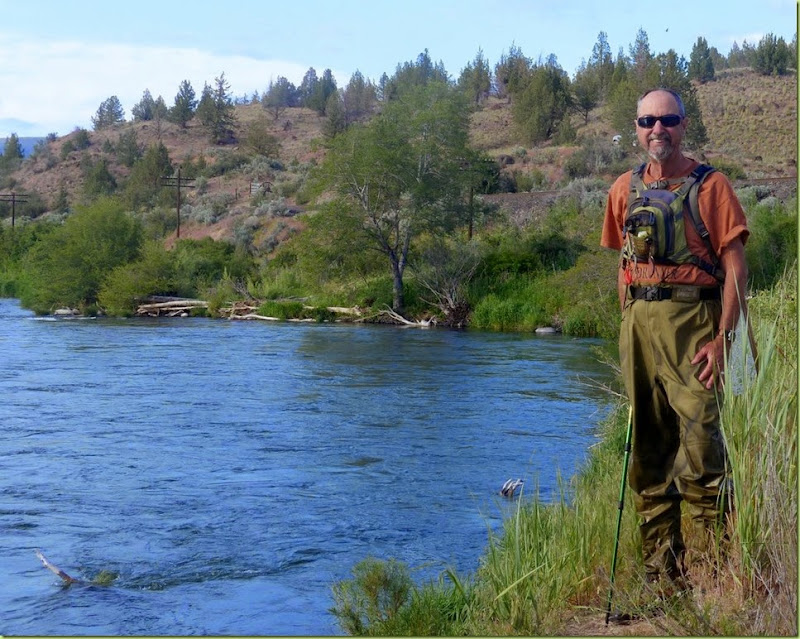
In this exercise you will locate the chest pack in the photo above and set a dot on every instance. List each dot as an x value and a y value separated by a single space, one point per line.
654 228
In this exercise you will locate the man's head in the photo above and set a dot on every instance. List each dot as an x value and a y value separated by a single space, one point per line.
660 136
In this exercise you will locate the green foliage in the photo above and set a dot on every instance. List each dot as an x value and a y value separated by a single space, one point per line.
98 180
259 140
539 109
81 138
69 265
771 56
109 113
732 170
128 149
377 592
701 63
12 150
201 263
216 111
184 106
144 187
772 245
279 96
288 309
476 78
128 284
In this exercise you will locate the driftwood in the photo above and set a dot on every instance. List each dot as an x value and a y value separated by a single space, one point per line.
171 308
55 569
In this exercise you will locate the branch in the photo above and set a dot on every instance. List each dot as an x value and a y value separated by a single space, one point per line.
67 579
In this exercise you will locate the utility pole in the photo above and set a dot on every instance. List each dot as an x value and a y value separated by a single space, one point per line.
178 183
13 198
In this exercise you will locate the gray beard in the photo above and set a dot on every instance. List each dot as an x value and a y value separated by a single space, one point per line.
660 153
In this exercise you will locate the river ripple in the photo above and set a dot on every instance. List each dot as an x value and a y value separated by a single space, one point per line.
230 472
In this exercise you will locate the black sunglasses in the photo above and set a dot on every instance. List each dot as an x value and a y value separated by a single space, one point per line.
649 121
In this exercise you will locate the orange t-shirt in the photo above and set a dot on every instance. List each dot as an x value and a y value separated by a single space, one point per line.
720 211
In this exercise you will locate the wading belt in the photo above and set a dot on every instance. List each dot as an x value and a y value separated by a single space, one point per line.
675 293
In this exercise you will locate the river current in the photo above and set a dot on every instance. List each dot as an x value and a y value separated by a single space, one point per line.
230 472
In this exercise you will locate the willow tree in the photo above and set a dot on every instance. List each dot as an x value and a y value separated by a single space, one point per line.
399 175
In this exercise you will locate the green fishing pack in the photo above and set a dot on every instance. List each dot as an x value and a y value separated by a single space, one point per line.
654 226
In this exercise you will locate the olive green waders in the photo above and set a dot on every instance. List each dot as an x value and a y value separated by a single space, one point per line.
678 450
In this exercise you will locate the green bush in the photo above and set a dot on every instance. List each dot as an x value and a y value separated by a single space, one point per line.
128 284
377 592
732 170
69 265
772 245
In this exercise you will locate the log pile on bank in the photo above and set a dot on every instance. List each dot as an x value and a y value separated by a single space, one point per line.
248 310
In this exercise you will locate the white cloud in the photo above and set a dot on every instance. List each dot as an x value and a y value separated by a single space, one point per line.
56 86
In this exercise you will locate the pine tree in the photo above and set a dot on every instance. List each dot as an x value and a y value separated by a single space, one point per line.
143 111
476 78
12 150
185 103
109 113
701 65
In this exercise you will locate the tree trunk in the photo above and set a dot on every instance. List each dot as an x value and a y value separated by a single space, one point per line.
398 299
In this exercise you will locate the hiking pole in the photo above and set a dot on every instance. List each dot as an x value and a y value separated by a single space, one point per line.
621 505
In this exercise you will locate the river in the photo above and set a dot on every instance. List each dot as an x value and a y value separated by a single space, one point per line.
230 472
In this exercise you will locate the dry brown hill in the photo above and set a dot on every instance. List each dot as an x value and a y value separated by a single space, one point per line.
751 121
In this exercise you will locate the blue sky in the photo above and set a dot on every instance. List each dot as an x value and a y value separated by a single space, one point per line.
60 59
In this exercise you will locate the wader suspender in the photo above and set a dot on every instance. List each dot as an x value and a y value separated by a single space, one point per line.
693 183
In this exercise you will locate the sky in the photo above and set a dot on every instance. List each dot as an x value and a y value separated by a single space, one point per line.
59 59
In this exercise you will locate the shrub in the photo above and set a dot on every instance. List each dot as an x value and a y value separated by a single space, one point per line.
377 592
732 170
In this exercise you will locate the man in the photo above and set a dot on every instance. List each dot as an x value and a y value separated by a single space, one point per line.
678 319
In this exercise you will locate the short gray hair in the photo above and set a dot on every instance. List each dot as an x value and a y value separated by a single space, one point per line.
674 94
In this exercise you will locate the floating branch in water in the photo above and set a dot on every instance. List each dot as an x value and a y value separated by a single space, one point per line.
67 579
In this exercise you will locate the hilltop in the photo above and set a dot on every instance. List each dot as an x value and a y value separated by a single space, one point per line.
751 122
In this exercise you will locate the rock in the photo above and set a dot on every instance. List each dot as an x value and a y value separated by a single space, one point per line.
66 312
547 330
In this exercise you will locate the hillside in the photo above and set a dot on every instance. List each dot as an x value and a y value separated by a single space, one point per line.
751 121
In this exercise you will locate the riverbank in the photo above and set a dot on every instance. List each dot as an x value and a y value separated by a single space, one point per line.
547 573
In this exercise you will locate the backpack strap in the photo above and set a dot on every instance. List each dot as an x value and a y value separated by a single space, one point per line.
699 174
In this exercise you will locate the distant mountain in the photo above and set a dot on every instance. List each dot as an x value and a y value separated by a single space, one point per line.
26 143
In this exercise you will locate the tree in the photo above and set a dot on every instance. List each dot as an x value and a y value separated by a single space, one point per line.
109 113
771 56
279 96
258 138
144 110
336 116
701 64
128 150
585 91
674 74
736 57
69 265
621 67
185 103
543 104
216 111
12 150
641 57
144 183
476 78
415 73
601 65
308 86
323 89
511 73
398 175
358 97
